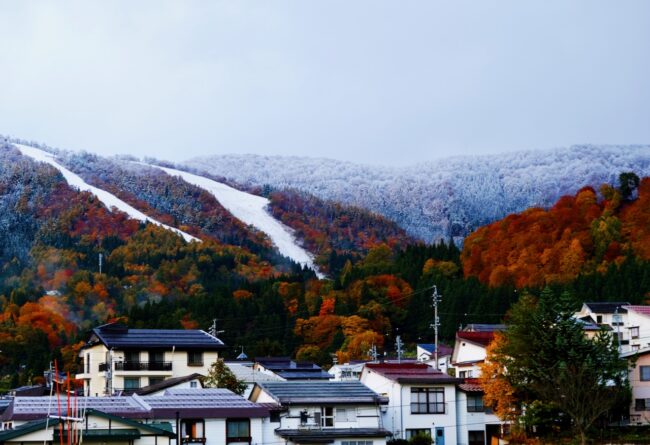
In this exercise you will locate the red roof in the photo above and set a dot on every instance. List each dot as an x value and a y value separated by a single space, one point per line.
411 373
482 338
643 310
471 385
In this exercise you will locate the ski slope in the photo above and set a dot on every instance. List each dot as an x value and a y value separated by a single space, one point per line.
108 199
251 209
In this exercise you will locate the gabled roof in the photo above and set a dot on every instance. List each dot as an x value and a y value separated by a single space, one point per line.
607 307
291 370
480 338
26 428
168 383
250 375
340 392
206 403
202 402
119 336
156 428
431 348
484 327
411 373
643 310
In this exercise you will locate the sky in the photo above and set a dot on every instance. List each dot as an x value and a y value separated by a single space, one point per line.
382 82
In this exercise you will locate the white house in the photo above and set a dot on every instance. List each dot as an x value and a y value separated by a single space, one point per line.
185 416
422 400
341 413
636 327
119 360
609 314
470 352
426 354
477 424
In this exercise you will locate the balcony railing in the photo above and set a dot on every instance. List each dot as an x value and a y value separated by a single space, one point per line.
138 366
143 366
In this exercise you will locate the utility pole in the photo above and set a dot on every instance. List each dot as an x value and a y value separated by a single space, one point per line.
373 353
398 346
101 257
436 320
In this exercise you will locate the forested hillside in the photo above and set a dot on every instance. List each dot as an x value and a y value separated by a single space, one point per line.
379 285
443 199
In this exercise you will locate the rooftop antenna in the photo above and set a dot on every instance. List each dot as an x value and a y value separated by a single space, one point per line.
436 320
213 329
398 346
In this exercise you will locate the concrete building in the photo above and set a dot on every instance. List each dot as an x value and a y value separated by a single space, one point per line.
119 360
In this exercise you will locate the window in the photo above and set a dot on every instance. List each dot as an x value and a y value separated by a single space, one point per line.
194 358
644 372
417 432
427 401
617 320
194 385
641 404
192 431
327 416
465 374
156 356
599 319
238 431
346 414
132 356
356 442
131 383
475 404
476 437
634 332
155 380
636 347
87 363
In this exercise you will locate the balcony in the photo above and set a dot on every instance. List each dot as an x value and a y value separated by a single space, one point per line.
143 366
138 366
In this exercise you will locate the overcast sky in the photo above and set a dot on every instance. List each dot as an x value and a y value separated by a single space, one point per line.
381 82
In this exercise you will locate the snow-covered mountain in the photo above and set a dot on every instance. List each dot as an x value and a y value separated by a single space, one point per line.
108 199
252 210
445 198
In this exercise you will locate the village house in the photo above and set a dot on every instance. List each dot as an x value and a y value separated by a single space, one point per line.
611 316
425 353
346 371
340 413
181 416
477 424
120 360
639 378
421 400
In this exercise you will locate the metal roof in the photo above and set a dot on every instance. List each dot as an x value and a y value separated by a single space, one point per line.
119 336
343 392
411 373
291 370
326 435
168 383
482 338
250 375
207 403
607 307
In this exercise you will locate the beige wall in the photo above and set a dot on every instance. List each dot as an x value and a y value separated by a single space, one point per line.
95 381
640 390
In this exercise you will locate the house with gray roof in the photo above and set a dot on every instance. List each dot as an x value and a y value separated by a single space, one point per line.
119 360
337 412
181 416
